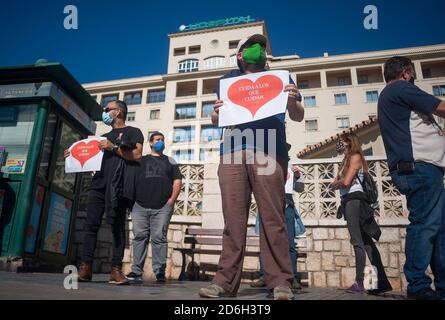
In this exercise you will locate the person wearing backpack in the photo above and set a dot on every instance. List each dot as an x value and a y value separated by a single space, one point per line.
358 213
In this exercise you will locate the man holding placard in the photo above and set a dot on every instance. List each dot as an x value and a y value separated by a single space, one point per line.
254 159
110 189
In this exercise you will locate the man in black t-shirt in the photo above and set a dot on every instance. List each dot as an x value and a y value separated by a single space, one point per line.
158 184
123 143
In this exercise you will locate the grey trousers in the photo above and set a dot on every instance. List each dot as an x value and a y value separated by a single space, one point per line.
150 223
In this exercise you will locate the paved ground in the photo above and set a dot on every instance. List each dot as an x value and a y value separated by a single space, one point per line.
50 286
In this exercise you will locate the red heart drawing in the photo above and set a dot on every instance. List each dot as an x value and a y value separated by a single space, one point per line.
254 95
68 203
40 192
85 151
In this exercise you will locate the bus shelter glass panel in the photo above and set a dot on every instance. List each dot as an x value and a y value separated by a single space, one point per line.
16 125
48 142
65 181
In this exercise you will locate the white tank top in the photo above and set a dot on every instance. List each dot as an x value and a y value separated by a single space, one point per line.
354 187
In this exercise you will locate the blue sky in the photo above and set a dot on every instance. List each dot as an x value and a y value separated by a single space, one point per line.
121 39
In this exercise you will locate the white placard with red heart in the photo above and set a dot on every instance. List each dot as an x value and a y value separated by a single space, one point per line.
252 97
289 186
85 156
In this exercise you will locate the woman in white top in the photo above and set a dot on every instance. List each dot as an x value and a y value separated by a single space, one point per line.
353 168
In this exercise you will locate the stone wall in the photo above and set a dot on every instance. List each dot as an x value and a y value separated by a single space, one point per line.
331 259
187 213
103 253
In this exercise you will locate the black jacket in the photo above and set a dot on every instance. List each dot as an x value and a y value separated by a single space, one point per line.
121 191
367 220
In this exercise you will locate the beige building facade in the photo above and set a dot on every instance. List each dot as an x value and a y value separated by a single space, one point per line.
340 94
339 91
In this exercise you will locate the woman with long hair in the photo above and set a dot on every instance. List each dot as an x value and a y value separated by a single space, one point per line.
358 212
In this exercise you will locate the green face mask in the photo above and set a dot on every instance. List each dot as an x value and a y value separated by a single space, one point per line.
255 54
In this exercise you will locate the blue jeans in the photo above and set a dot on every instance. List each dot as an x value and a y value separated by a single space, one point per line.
425 235
290 226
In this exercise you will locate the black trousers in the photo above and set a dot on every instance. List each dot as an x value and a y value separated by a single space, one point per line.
95 212
363 244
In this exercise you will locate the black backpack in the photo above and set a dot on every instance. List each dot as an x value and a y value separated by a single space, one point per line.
370 189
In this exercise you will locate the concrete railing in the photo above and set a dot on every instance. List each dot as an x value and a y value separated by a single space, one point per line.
318 203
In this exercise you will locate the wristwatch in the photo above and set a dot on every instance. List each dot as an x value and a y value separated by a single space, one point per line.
115 147
299 97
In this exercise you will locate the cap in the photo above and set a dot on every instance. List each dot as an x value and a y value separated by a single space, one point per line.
256 38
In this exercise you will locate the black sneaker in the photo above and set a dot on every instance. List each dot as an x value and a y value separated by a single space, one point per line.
296 285
160 278
134 277
424 294
382 288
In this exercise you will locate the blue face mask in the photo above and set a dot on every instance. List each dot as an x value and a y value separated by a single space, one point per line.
107 119
159 146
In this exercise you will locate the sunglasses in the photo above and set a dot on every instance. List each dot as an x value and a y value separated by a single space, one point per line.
110 109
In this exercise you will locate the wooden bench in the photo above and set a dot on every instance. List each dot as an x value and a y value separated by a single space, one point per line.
198 237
